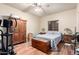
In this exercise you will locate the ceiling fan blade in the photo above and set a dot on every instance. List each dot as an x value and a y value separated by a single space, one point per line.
43 10
28 8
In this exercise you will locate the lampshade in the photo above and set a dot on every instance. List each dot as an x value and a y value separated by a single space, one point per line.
43 29
68 31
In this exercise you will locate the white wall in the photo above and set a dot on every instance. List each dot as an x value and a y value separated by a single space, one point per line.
32 21
67 19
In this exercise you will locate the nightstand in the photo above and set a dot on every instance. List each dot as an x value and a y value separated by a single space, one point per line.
68 38
30 36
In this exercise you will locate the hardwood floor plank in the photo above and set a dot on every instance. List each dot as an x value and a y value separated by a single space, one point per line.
26 49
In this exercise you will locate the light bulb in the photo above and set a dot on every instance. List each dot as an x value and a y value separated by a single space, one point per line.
37 9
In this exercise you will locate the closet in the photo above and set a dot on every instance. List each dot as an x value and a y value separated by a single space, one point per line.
19 35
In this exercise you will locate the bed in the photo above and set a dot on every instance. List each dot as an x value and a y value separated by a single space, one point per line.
54 37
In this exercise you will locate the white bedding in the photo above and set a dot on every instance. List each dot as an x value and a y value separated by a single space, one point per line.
54 37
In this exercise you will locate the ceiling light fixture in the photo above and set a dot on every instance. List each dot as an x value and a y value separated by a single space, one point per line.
37 9
37 4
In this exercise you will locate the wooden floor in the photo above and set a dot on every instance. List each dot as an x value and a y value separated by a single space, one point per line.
27 49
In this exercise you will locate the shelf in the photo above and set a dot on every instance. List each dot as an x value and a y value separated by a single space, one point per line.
9 34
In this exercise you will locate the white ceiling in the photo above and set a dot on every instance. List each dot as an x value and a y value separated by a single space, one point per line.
46 8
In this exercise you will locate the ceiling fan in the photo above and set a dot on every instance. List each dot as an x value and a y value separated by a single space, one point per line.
37 7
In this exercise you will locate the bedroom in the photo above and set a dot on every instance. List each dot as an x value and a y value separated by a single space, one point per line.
64 16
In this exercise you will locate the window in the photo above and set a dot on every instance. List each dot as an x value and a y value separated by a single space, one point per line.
53 25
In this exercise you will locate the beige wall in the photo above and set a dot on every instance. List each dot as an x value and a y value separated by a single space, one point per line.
67 19
32 21
77 23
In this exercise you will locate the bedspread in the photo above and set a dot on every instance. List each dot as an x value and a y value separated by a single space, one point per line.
54 38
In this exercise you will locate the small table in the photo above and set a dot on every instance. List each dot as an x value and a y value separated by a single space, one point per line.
41 44
68 38
30 36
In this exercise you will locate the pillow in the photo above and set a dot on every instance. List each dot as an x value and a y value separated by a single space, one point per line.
53 32
58 33
49 32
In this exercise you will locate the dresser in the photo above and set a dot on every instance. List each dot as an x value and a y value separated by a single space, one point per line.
19 35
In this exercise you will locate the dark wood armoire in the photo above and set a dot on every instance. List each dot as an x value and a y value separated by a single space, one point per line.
19 34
